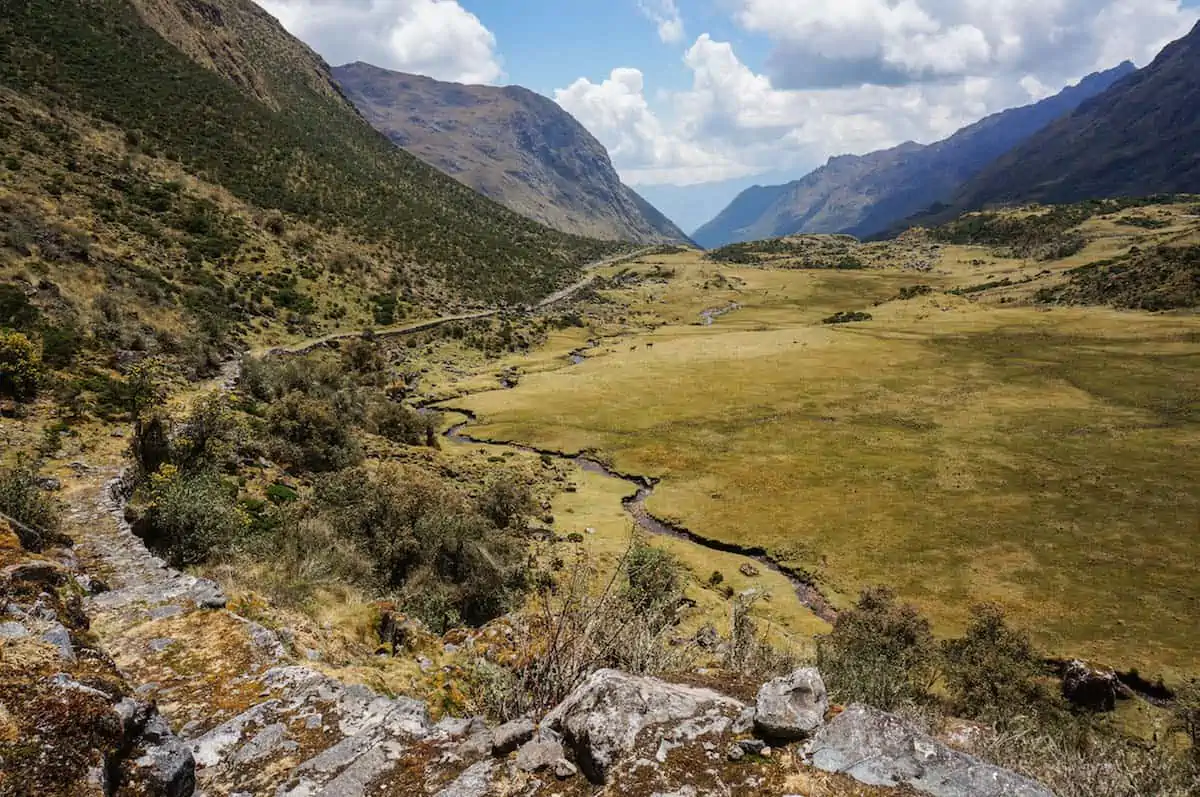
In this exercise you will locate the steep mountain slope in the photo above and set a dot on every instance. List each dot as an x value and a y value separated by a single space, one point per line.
510 144
1140 137
863 195
179 173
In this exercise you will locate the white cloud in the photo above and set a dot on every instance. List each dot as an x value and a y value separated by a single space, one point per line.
916 40
851 76
438 38
665 14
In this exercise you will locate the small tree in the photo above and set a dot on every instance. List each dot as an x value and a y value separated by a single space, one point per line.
992 671
191 518
20 366
880 652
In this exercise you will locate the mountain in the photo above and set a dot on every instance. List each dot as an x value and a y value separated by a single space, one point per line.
184 173
511 145
864 195
1140 137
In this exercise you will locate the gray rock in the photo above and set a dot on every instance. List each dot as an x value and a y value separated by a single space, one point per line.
735 752
753 746
160 644
511 735
476 781
564 769
207 595
881 749
163 612
539 754
170 768
791 707
49 484
60 637
13 630
612 713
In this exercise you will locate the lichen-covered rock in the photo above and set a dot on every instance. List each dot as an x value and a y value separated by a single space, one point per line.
511 735
1090 687
611 714
791 707
540 753
881 749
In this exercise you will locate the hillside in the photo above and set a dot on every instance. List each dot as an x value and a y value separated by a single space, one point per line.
864 195
511 145
177 177
1139 137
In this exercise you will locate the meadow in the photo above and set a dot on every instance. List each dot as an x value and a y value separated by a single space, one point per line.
958 447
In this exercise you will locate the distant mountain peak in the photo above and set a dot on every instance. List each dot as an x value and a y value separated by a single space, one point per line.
510 144
866 194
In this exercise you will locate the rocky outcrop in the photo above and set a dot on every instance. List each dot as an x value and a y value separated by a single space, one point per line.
1090 687
791 707
881 749
612 715
239 717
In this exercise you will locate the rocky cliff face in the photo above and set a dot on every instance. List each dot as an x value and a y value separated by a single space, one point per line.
865 195
511 145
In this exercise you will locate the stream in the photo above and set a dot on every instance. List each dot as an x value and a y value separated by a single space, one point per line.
641 488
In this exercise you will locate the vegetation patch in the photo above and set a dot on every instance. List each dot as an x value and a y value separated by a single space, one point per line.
1162 278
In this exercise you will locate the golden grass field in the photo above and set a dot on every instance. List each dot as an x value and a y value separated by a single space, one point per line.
957 449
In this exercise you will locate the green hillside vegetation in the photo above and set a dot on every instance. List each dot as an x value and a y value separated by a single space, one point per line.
157 204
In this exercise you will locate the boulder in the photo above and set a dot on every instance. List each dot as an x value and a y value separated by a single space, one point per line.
791 707
881 749
511 735
1089 687
539 754
612 715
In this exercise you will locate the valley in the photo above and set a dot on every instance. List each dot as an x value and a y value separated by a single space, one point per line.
957 447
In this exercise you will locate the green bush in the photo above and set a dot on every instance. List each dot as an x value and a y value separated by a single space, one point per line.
506 501
311 434
191 518
20 366
654 582
22 500
993 670
880 652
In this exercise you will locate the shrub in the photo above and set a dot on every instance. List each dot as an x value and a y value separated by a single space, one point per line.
846 318
880 652
992 671
400 424
312 434
1187 714
23 501
506 501
654 581
424 538
190 518
20 366
16 311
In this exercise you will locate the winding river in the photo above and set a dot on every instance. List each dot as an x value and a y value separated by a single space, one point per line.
640 489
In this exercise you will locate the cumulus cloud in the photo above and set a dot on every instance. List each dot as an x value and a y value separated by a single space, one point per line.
665 14
438 38
891 41
851 76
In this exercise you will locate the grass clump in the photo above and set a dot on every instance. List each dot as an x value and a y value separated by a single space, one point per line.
846 317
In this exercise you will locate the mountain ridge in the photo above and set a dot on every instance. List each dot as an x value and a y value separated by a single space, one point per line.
1137 138
510 144
865 194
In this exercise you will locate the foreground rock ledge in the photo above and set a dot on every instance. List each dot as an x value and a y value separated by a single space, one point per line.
881 749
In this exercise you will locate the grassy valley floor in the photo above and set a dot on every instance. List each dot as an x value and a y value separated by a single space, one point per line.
959 448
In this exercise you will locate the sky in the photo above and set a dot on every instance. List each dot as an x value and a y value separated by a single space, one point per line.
697 99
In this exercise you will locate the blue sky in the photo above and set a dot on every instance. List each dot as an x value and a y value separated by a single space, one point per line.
697 99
